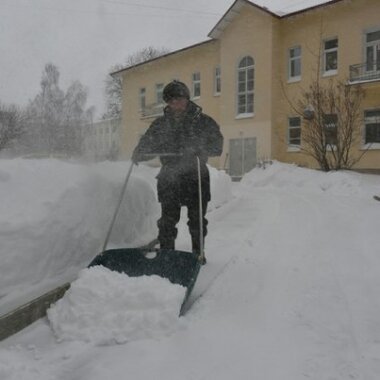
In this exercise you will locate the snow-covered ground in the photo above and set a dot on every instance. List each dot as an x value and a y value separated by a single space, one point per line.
290 290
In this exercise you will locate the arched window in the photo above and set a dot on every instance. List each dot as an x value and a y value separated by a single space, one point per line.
245 86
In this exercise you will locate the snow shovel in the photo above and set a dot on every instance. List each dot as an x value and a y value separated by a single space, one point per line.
179 267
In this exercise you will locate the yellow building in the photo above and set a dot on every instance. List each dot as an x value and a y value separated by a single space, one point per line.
254 68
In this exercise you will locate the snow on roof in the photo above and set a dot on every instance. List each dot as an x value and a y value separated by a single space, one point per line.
287 7
277 8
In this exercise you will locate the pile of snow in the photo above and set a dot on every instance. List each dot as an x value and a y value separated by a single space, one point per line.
54 216
105 307
287 176
221 188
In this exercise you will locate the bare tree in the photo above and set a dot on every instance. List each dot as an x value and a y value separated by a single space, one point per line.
12 125
113 85
332 123
55 117
44 112
74 116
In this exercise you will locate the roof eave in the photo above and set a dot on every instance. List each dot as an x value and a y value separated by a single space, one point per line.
231 13
120 72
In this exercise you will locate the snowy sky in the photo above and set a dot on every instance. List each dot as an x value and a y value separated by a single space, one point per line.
84 38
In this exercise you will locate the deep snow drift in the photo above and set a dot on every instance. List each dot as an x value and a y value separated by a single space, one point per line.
290 290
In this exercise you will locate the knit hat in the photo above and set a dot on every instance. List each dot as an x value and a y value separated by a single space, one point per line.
175 89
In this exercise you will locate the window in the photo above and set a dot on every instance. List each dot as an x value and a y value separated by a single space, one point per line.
295 63
373 51
196 85
159 91
372 126
142 98
330 56
245 91
330 123
294 131
217 80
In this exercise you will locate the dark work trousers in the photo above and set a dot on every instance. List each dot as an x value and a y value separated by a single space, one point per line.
170 215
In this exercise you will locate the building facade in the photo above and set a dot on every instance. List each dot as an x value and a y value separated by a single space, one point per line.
255 64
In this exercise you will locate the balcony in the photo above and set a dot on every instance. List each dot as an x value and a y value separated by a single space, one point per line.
153 110
365 72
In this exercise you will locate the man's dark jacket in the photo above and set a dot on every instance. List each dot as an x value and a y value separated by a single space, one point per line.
195 134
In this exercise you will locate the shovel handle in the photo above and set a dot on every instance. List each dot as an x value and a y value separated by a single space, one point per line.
117 207
163 154
201 238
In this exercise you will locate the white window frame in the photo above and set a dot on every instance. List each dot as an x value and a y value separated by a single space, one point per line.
334 125
370 120
217 80
159 93
246 92
142 98
292 61
375 45
291 146
327 52
196 85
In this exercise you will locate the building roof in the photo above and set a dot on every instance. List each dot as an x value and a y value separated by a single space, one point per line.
230 15
116 73
234 10
293 9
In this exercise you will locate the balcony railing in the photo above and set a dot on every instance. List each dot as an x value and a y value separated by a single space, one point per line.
363 72
153 110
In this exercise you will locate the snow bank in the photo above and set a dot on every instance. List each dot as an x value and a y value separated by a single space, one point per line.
106 307
286 176
221 188
54 217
